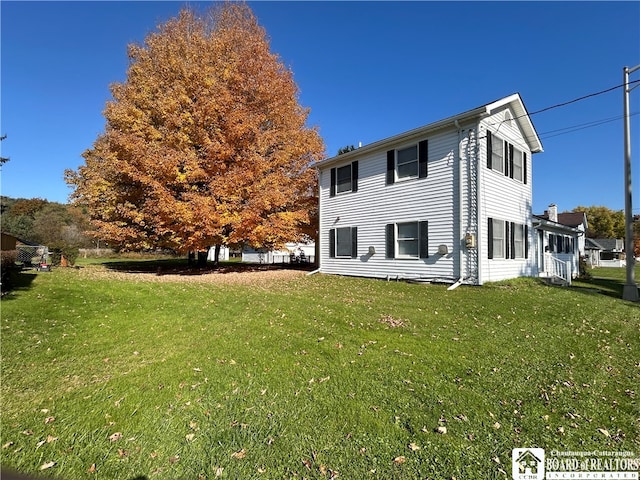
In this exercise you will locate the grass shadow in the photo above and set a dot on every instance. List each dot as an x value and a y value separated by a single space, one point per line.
610 287
181 266
18 280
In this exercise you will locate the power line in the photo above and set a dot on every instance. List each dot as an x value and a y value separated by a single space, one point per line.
564 104
583 126
584 97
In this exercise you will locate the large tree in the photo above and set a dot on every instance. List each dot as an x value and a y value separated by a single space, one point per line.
603 222
205 142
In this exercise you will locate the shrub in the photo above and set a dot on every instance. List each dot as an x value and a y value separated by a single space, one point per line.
8 268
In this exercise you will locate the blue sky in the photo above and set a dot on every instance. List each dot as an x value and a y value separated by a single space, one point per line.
367 71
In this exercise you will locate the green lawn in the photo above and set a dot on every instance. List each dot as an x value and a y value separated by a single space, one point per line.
315 377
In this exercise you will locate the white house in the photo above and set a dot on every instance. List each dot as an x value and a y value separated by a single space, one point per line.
559 241
450 201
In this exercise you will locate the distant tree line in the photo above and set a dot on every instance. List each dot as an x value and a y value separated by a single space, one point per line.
61 227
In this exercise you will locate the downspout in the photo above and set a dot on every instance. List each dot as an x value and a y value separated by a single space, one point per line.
460 207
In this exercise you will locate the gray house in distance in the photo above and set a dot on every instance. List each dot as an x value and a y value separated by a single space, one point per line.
449 201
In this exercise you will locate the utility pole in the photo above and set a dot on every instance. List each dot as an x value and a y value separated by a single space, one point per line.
630 291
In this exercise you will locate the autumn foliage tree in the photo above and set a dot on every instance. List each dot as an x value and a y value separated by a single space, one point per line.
205 142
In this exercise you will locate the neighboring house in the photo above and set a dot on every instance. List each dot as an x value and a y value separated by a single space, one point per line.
450 201
605 252
293 252
558 243
570 219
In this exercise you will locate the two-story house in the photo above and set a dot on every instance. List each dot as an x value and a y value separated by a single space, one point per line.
450 201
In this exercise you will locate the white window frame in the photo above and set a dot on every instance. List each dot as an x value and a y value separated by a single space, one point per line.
497 158
499 241
414 161
519 240
518 165
406 240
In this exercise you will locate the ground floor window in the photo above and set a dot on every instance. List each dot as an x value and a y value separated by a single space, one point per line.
507 239
407 240
343 242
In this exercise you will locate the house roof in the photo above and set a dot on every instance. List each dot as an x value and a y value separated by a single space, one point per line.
513 101
608 244
541 221
572 219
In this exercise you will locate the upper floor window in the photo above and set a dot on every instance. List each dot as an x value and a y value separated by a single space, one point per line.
503 157
344 179
407 162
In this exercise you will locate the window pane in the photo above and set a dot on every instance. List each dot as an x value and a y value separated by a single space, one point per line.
407 165
518 240
344 179
497 154
408 248
408 239
343 242
408 154
498 239
517 164
408 231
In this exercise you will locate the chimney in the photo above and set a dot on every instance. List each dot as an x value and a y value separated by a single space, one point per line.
553 212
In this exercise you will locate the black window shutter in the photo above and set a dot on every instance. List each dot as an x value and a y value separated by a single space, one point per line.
354 176
423 228
507 240
332 243
490 237
506 158
354 242
513 240
526 241
391 166
524 167
423 156
489 148
390 241
332 192
511 160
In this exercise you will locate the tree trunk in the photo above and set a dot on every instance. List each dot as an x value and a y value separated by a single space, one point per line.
202 259
216 257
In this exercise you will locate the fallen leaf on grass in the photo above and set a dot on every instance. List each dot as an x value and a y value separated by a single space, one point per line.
497 425
115 437
189 437
7 445
441 430
219 471
174 459
122 453
44 466
92 468
51 438
413 447
239 454
49 420
605 432
399 460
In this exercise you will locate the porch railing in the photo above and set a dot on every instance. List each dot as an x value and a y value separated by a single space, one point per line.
555 267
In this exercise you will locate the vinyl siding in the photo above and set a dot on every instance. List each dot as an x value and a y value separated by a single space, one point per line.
503 198
376 204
